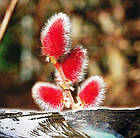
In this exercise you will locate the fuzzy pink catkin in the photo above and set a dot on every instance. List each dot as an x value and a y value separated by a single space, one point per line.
74 65
56 36
91 92
48 96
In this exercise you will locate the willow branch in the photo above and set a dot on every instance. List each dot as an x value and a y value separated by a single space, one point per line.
7 17
65 85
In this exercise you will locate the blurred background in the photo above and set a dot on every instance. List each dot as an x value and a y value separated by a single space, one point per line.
109 29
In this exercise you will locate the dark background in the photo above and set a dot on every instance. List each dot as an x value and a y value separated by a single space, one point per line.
109 29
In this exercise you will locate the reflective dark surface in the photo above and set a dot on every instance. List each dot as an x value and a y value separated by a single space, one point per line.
107 123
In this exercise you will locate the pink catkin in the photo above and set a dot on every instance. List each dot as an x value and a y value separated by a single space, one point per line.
56 36
91 93
50 95
54 41
74 65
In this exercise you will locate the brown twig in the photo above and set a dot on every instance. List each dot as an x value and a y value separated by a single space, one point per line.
7 17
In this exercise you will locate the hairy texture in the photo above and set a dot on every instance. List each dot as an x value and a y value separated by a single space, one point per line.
91 92
55 36
48 96
74 65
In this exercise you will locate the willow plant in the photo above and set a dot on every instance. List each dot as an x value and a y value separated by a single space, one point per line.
71 64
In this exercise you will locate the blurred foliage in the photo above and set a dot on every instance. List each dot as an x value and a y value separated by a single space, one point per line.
9 53
109 29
